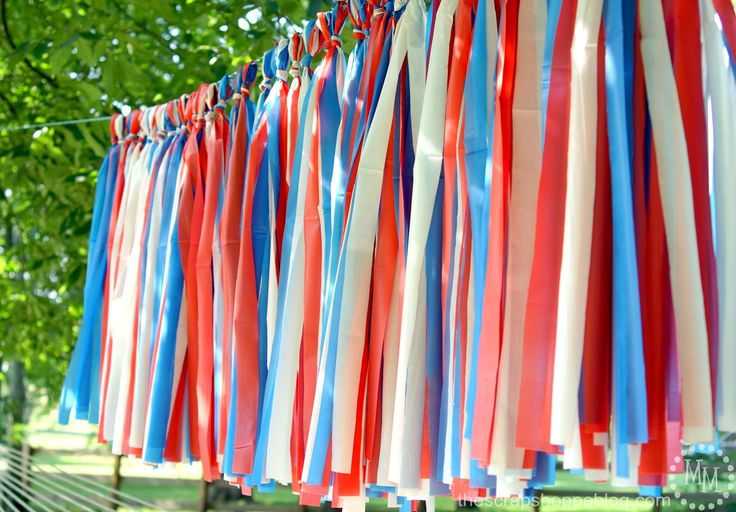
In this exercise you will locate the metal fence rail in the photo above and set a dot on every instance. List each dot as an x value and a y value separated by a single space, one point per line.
27 485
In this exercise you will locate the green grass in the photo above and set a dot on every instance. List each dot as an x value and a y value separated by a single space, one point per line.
181 491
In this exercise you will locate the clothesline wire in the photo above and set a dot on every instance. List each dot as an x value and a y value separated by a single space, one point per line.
37 126
4 497
33 495
15 456
59 484
59 490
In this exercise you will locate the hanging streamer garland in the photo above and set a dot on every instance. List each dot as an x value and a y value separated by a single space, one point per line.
484 239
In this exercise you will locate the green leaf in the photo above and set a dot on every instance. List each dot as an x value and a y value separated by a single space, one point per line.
92 36
91 141
58 59
69 42
111 75
84 52
90 91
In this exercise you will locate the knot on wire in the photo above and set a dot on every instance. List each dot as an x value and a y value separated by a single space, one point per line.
266 83
116 128
296 53
378 11
197 119
359 14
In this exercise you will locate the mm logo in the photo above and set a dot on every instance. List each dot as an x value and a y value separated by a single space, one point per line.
701 475
708 482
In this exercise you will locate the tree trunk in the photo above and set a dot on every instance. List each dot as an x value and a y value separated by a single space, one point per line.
16 428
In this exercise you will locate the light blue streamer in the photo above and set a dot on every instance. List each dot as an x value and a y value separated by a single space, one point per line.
629 377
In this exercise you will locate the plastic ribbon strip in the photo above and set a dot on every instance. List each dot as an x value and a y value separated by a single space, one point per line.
494 234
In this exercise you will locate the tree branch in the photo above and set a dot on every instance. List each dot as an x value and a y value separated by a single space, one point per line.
9 104
142 27
6 29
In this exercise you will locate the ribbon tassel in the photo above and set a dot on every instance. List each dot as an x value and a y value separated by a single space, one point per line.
493 234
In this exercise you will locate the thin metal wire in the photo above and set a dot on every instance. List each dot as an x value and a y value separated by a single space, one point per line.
34 478
28 491
4 498
41 485
80 499
127 497
38 491
83 486
33 495
65 493
103 497
109 497
59 482
18 453
59 491
53 123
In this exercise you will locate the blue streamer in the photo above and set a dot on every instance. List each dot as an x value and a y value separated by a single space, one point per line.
170 300
629 378
82 378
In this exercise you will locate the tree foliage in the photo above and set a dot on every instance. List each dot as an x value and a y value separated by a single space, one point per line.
68 60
